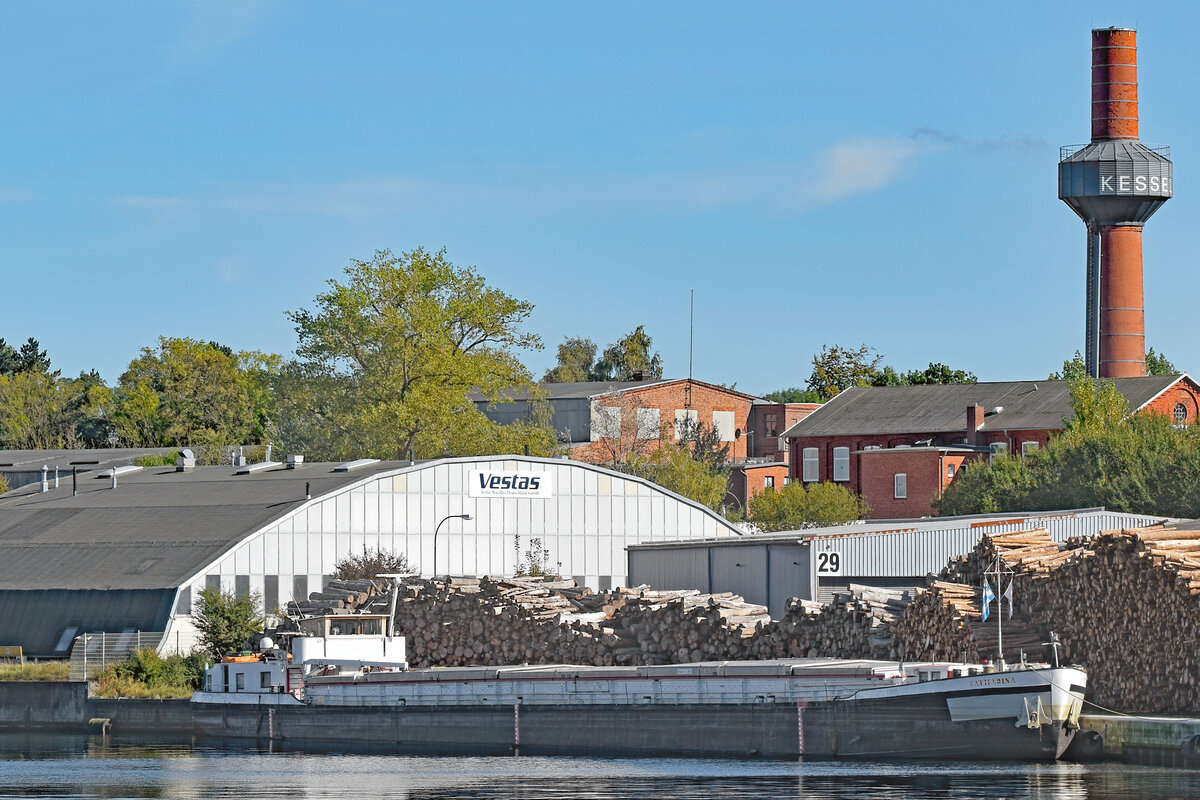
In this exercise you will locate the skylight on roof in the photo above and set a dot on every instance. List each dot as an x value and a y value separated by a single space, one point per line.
119 471
349 465
259 467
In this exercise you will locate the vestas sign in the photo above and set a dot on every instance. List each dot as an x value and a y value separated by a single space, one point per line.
510 483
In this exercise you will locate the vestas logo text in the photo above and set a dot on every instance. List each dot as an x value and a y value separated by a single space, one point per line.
510 483
490 481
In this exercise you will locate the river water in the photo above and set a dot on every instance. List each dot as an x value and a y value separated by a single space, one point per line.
90 767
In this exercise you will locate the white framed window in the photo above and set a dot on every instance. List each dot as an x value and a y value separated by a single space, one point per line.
723 424
810 464
606 423
686 419
769 482
786 480
841 463
1179 414
649 423
1028 447
900 485
949 470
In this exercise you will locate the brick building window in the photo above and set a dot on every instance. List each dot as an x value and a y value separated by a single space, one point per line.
723 424
1028 447
810 465
949 470
900 485
769 482
606 423
649 423
686 419
1179 414
841 463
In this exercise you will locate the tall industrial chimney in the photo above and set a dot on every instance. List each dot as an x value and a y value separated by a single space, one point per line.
1115 184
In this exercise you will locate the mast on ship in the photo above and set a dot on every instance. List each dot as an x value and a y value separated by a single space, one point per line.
998 572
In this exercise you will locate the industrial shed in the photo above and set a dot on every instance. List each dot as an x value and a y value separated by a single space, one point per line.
814 564
131 552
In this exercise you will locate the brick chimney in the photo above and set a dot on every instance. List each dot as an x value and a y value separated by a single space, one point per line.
974 423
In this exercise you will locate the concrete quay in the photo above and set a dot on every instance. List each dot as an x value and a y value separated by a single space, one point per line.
1157 741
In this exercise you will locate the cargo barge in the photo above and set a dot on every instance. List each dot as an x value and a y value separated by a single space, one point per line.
345 680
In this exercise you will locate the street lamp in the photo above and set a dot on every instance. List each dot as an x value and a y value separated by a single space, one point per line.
435 533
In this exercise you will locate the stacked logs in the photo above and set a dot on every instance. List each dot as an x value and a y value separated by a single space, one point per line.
513 621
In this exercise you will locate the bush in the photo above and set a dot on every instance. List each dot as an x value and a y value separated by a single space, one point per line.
147 674
368 565
226 621
798 506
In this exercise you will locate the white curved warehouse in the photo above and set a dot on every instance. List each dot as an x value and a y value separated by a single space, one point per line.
134 556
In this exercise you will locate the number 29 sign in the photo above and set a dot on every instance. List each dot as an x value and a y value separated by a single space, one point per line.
829 562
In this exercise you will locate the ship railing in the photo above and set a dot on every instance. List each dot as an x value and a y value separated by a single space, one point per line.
92 652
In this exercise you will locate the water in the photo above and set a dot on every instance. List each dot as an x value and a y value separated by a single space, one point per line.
89 767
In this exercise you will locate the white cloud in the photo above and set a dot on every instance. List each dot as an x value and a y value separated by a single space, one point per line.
845 170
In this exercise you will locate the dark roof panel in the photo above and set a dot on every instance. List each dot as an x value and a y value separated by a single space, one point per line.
942 408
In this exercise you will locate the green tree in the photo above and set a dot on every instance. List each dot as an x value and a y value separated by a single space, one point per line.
1072 369
191 393
793 394
797 506
391 354
628 357
981 487
938 373
576 360
1159 364
837 368
673 467
225 620
39 410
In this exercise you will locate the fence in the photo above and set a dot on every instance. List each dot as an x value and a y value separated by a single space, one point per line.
92 652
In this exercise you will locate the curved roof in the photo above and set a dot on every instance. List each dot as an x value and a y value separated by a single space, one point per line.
158 528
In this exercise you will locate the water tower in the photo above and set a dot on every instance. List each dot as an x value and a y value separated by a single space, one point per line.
1115 184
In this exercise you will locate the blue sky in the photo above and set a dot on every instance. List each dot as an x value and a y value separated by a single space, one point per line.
833 173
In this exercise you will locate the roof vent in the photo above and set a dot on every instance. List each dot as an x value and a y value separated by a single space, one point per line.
295 461
186 460
994 411
117 472
258 467
349 465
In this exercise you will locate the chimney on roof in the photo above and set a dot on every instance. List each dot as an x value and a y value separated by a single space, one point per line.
974 423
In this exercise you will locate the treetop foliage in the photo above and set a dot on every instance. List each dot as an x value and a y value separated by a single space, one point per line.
370 564
225 620
837 368
623 360
797 506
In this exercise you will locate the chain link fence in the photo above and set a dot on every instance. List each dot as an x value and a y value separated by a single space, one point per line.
92 652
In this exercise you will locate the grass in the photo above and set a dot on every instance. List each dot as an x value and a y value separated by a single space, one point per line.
46 671
108 685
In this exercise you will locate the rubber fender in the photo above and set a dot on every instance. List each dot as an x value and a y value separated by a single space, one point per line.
1191 748
1087 745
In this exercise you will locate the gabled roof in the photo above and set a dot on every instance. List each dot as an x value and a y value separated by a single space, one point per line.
942 408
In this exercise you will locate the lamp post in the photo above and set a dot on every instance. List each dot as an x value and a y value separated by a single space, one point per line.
435 533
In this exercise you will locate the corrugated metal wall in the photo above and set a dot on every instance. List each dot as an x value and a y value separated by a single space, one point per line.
586 525
926 548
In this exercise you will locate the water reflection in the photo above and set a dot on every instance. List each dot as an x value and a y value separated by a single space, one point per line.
34 765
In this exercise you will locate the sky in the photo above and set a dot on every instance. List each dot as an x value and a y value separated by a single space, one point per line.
866 173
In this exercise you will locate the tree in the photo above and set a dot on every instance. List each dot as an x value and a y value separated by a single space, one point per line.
628 357
1072 369
576 359
938 373
797 506
837 368
793 394
191 393
1159 364
391 354
40 410
673 467
225 620
625 429
370 564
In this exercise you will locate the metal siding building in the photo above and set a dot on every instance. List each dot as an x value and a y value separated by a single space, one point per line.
178 532
770 568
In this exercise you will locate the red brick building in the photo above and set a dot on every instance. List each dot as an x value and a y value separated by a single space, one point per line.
901 446
608 422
